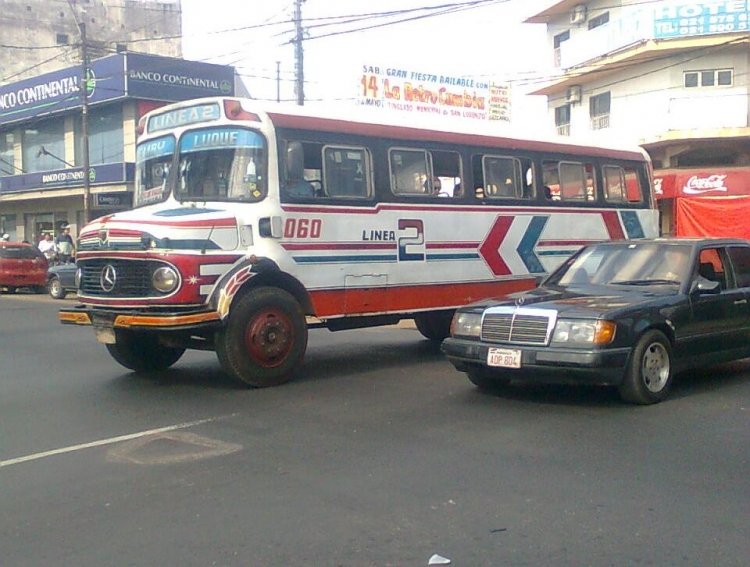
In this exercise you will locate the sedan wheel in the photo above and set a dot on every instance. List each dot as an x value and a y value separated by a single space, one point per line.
648 375
56 290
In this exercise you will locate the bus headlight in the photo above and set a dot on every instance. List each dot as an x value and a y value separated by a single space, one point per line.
466 324
584 332
164 279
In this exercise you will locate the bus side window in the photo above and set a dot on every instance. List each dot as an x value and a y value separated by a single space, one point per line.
346 172
614 184
551 180
302 172
446 174
410 171
502 177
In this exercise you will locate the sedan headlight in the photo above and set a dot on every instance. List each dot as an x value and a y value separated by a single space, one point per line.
584 332
466 324
164 279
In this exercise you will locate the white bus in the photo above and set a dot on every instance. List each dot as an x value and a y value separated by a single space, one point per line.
249 227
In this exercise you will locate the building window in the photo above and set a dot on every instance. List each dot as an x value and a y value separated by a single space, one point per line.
62 39
557 41
106 142
709 78
562 120
43 146
599 110
7 161
599 20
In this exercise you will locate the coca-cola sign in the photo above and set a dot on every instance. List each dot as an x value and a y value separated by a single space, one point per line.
697 185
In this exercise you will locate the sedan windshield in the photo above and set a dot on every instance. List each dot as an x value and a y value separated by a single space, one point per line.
629 263
221 164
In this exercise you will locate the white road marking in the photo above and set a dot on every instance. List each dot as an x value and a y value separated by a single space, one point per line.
109 441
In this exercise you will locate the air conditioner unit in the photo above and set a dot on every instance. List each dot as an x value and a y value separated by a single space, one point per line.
579 14
573 94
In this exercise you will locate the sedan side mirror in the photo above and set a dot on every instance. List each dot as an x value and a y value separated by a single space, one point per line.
702 286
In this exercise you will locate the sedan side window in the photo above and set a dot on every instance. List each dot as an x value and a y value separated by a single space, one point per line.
740 257
711 267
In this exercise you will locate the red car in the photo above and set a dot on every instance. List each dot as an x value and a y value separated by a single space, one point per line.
22 265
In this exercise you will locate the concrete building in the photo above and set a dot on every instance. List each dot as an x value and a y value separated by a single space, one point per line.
671 76
41 166
40 36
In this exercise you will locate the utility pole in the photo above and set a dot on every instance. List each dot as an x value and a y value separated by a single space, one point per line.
278 81
298 56
85 124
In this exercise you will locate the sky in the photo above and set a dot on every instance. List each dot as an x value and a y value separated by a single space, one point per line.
487 41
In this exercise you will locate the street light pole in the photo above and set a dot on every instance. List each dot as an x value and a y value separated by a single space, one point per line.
85 125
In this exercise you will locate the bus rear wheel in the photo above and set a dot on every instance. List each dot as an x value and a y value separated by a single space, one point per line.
435 325
265 338
142 352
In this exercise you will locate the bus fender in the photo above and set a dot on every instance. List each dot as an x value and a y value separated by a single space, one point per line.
229 285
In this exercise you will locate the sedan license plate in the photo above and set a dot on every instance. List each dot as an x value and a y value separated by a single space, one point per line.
504 357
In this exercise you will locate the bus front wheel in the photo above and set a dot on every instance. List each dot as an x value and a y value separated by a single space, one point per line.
142 352
265 338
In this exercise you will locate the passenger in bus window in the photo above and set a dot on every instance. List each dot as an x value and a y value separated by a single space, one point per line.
295 184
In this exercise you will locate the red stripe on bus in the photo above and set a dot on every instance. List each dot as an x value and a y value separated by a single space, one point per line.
405 299
614 227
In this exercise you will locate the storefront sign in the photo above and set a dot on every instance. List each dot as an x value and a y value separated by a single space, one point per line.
98 175
112 201
685 19
169 79
114 77
420 92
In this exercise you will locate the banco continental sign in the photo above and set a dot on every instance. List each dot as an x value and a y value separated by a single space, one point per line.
180 80
34 94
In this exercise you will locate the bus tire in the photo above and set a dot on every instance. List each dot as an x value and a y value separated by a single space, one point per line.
435 325
142 352
265 338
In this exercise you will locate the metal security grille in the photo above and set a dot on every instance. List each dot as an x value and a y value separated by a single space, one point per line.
132 278
518 326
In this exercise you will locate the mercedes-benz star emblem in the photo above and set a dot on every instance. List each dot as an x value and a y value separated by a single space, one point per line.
108 278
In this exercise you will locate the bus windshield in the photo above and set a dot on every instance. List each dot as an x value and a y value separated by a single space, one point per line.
222 164
153 162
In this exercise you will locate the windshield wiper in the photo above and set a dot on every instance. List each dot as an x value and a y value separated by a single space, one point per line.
645 282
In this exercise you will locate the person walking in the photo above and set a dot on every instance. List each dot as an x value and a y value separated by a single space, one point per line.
65 245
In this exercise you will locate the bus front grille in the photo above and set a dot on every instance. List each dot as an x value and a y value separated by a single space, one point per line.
118 278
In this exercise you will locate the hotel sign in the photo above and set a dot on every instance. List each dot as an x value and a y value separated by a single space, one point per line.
685 19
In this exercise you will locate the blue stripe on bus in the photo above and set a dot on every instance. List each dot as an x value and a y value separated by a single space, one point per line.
528 242
555 253
632 224
341 259
452 256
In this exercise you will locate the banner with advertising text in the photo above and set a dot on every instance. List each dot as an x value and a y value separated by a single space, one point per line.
419 92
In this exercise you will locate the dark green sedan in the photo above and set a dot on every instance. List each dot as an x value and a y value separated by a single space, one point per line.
629 314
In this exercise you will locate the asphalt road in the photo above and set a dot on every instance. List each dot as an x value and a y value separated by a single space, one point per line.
380 454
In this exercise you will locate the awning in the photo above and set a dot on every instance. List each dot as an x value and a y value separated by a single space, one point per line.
703 182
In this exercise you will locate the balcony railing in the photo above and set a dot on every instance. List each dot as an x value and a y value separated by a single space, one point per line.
563 129
600 122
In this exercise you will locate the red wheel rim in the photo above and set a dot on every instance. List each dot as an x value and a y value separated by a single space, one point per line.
269 337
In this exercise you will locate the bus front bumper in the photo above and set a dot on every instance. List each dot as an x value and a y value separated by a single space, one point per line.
106 321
